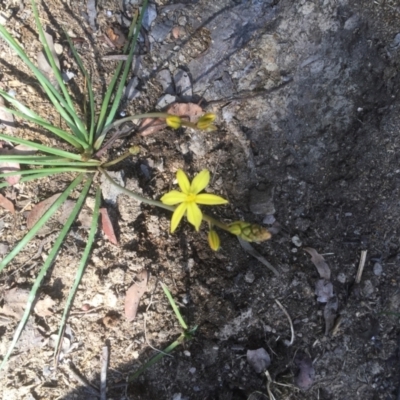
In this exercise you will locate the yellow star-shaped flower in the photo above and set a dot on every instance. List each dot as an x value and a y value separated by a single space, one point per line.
189 198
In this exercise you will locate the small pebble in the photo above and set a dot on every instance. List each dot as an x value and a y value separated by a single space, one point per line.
192 370
3 248
269 219
249 277
296 241
85 307
187 353
341 277
58 48
377 269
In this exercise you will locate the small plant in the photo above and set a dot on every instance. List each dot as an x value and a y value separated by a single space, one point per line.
186 335
84 142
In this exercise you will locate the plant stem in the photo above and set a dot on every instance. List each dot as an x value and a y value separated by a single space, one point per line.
156 203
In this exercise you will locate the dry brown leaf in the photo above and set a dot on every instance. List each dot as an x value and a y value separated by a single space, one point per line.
43 307
320 263
7 204
189 111
107 226
39 209
15 300
134 294
117 37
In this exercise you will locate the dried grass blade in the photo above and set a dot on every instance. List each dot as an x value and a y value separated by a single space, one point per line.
52 255
79 272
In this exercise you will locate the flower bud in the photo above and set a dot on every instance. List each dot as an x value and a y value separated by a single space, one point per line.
205 122
173 121
213 240
249 232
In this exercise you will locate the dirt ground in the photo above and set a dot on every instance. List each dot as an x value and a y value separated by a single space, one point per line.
307 98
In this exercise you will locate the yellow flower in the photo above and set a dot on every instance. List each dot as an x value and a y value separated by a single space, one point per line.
173 121
189 198
213 240
205 123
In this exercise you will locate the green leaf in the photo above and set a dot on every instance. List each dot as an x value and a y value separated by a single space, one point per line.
174 307
56 71
49 261
48 160
41 147
45 217
49 171
80 271
102 121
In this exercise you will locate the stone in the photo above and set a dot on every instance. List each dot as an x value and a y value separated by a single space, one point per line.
165 101
165 79
261 200
377 269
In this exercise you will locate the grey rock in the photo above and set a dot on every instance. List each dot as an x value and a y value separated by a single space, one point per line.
368 288
249 277
377 269
197 145
296 241
269 219
3 248
165 101
149 16
183 85
130 91
109 191
165 79
261 200
160 31
259 359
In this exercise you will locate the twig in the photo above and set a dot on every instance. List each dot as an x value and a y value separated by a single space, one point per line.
269 379
361 266
82 380
290 321
103 373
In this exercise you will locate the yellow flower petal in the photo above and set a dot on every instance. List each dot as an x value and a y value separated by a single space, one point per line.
213 240
173 197
210 199
200 181
183 181
194 215
177 216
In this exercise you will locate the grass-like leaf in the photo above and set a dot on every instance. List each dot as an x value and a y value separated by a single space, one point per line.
45 217
52 255
80 271
174 307
41 147
49 171
104 118
48 160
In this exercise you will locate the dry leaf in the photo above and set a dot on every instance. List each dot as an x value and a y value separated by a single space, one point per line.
323 290
189 111
107 226
259 359
31 337
7 204
44 65
330 312
319 261
15 300
6 118
43 307
39 209
133 295
117 37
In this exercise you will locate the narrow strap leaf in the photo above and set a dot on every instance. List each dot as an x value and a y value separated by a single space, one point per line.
174 306
41 147
52 255
49 171
80 271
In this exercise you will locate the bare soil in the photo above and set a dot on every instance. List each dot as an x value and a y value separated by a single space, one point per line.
307 97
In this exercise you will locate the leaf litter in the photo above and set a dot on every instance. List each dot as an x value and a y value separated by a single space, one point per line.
324 288
134 294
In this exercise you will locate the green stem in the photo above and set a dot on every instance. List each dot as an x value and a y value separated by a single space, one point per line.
156 203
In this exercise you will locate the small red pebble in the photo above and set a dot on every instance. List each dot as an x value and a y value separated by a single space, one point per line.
176 32
86 307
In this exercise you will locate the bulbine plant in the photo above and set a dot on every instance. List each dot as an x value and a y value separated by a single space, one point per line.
81 144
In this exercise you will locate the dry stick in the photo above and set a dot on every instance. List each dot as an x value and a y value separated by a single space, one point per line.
103 373
269 379
361 266
290 321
